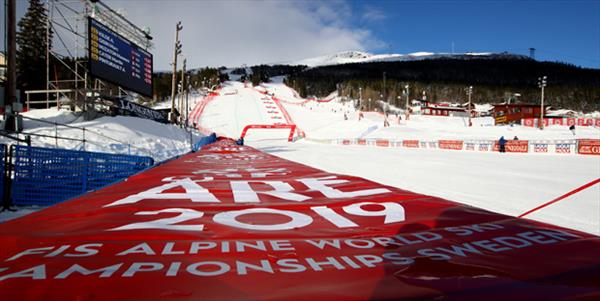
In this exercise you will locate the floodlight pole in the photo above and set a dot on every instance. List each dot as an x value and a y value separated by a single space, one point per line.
469 93
176 51
384 92
407 113
359 97
11 76
542 82
182 91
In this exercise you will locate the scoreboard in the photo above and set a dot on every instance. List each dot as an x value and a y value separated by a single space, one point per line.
117 60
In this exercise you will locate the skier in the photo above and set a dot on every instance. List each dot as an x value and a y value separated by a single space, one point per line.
386 123
572 128
502 143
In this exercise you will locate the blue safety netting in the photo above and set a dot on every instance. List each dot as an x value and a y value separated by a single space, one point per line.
45 176
204 141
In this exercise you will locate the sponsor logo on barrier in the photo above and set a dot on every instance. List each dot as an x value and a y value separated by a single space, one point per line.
432 144
346 142
410 143
563 148
540 147
381 142
423 144
588 146
532 122
484 147
470 146
451 144
362 142
514 146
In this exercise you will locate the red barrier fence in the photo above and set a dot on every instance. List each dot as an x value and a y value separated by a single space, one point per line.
292 128
513 146
451 144
232 223
588 146
533 122
410 143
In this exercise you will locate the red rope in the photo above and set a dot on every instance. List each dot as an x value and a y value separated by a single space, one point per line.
592 183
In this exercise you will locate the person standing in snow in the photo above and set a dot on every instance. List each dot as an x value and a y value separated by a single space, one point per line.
502 144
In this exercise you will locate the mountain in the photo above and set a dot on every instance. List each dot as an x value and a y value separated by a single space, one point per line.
349 57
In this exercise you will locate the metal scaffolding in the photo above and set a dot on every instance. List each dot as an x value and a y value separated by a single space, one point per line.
68 21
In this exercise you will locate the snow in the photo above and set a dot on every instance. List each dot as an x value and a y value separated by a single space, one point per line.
508 183
119 134
347 57
505 183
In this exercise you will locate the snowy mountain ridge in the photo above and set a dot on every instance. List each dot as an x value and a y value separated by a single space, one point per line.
348 57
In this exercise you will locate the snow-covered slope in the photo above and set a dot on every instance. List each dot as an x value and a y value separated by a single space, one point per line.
364 57
120 134
505 183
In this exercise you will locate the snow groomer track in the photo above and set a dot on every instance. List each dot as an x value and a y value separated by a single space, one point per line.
233 223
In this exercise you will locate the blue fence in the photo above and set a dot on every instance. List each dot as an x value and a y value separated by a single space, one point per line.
204 141
44 176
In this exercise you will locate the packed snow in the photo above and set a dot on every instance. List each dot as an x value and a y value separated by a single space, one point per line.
508 183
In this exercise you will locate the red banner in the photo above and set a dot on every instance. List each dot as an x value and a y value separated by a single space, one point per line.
232 223
451 144
514 146
292 128
382 142
588 146
410 143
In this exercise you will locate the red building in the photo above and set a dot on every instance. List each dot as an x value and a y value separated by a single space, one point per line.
444 111
513 113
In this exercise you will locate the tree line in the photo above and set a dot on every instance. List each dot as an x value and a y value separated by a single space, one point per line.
494 80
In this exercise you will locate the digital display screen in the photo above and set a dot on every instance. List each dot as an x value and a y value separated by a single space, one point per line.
117 60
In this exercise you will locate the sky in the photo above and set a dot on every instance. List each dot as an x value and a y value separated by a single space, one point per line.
232 32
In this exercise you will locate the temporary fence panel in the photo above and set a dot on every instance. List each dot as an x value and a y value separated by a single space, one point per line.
232 223
45 176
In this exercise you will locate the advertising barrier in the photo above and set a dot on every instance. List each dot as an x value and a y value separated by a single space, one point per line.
588 146
232 223
514 146
568 146
451 144
533 122
410 143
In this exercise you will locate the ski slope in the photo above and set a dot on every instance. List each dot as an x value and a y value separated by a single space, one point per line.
507 183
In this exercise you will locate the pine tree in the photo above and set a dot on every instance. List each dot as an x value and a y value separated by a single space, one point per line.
31 52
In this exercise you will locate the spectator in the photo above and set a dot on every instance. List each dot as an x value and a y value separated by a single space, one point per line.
516 138
386 123
502 144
